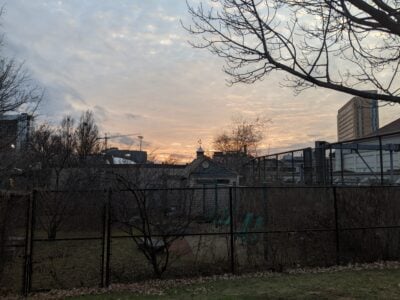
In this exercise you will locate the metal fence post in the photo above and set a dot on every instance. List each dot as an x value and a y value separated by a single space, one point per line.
337 241
103 245
341 164
29 232
265 209
265 171
216 201
25 278
106 242
204 200
292 167
381 158
231 232
331 164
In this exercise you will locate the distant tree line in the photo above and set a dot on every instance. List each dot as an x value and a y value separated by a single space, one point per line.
66 145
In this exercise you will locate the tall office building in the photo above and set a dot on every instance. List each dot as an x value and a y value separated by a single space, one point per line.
357 118
14 131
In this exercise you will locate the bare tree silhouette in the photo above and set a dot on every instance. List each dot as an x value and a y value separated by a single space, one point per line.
153 223
348 46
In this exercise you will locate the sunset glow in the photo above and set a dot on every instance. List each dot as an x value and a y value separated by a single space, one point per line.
130 63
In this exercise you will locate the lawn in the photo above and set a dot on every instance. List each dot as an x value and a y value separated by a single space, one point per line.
348 284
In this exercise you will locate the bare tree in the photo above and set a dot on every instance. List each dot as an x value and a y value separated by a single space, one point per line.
153 218
43 152
87 136
16 87
18 93
152 155
348 46
52 153
65 145
223 142
171 160
245 135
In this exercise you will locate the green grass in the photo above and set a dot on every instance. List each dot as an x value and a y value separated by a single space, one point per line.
366 284
77 264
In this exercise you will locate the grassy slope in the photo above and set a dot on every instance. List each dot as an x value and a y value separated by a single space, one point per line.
367 284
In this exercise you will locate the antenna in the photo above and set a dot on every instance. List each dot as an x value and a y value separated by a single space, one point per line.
140 137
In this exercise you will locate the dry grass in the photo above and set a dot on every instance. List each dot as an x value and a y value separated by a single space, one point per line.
366 281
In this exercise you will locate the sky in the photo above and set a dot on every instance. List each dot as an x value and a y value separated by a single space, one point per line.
129 61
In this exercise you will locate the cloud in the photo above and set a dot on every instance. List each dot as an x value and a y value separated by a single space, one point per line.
125 140
131 116
130 63
101 113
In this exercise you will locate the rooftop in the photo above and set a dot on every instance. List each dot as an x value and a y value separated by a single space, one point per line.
389 128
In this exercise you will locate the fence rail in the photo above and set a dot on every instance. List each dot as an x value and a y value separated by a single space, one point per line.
72 239
362 162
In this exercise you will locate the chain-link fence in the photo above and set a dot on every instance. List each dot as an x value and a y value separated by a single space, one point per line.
14 215
72 239
362 162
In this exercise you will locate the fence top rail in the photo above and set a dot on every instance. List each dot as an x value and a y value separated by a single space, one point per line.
15 192
273 155
24 193
136 189
368 138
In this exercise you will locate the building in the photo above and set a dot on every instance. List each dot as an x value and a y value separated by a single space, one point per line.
358 118
15 131
392 127
365 162
204 171
117 156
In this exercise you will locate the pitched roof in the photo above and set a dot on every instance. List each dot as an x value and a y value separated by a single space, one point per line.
214 168
389 128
